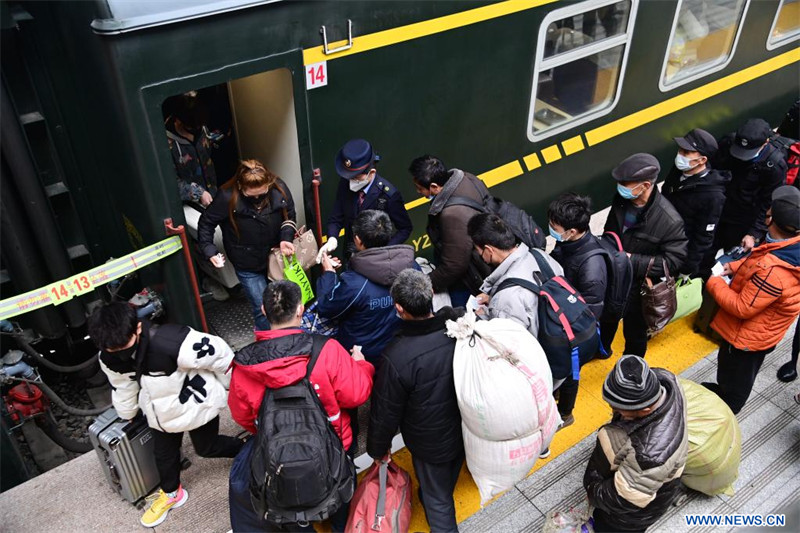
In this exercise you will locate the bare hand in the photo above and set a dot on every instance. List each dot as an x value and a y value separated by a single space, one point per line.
287 248
328 264
748 242
206 199
217 260
357 355
727 270
483 298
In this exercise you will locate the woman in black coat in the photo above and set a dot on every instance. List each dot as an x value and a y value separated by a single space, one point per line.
252 209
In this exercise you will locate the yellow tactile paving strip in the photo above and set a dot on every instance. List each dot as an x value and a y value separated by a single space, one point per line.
676 349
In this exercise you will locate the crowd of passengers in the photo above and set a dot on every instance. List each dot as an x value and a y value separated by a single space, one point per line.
391 346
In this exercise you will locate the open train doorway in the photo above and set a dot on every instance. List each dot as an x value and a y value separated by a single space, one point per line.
209 131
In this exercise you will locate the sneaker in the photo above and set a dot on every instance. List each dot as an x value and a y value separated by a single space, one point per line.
567 420
545 454
161 505
218 292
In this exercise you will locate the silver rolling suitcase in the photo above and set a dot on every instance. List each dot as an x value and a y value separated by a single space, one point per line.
125 450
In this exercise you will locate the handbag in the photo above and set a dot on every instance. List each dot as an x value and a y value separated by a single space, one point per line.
659 301
689 294
294 272
305 248
313 323
382 501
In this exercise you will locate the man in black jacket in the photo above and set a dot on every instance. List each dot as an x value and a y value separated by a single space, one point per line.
697 192
414 391
652 235
757 169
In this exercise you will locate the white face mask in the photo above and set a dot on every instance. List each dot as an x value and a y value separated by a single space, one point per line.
357 185
683 163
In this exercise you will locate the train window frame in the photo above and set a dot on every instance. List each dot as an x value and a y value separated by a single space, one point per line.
541 64
703 72
772 44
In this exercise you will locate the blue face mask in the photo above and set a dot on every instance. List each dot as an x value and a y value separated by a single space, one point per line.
626 192
559 237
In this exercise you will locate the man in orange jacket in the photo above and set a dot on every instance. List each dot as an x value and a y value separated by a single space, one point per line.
761 303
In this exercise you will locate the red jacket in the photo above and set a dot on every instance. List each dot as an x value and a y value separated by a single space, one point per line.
275 360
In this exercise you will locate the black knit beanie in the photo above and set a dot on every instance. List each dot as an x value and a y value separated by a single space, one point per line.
631 385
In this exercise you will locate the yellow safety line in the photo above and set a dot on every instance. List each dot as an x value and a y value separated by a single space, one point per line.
365 43
676 349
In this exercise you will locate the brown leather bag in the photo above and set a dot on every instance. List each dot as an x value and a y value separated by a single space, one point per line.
659 300
305 249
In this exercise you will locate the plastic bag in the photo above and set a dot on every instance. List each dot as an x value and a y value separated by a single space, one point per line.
572 521
715 442
294 272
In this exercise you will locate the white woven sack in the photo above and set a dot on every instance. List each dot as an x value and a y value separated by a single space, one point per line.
498 466
502 379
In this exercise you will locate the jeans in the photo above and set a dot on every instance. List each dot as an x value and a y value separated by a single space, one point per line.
254 284
207 442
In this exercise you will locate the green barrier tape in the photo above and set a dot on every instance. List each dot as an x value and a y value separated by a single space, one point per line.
64 290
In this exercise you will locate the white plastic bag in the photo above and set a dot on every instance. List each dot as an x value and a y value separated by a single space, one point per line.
574 520
502 378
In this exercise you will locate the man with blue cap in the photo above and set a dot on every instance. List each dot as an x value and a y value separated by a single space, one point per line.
362 188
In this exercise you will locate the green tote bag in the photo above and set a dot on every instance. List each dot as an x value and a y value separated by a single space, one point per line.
689 293
294 272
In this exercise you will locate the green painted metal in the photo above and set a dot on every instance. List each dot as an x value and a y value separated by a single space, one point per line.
461 94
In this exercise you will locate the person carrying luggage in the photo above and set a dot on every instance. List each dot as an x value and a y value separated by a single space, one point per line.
177 377
761 302
415 392
279 359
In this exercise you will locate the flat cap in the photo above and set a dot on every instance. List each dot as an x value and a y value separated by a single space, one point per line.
786 208
638 167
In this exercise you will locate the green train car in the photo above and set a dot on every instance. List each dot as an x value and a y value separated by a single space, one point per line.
538 97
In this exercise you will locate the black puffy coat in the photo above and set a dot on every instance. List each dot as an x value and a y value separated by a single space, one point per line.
589 275
698 200
259 231
633 475
414 390
657 233
749 193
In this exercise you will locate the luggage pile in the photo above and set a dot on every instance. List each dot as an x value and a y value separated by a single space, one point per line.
505 395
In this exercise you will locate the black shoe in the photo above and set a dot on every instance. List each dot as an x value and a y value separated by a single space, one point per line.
787 372
603 356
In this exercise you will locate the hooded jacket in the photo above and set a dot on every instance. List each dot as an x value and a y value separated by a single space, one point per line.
279 358
193 164
515 302
359 299
657 233
182 377
749 194
259 231
634 472
698 200
415 391
447 228
763 299
589 275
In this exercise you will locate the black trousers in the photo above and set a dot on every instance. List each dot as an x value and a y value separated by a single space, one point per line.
736 373
634 327
567 394
207 442
601 523
437 481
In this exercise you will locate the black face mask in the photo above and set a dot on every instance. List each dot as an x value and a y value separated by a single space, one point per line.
123 354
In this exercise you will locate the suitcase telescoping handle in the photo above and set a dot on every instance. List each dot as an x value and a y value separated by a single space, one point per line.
380 508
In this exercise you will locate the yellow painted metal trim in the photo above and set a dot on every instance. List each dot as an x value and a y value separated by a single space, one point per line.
532 161
425 28
415 203
551 154
573 145
500 174
662 109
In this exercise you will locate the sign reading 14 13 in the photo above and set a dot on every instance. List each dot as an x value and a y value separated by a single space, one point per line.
317 75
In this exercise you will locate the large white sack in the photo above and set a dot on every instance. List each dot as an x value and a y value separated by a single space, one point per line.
502 378
498 466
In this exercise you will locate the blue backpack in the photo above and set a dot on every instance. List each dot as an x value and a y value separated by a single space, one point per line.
568 330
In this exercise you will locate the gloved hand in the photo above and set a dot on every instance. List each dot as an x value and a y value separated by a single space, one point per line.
329 246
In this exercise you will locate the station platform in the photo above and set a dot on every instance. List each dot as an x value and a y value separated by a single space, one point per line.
76 496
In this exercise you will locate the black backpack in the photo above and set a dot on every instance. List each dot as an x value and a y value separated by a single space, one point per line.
521 223
568 330
620 275
299 470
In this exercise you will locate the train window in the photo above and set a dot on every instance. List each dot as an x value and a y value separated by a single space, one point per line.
786 26
580 63
703 39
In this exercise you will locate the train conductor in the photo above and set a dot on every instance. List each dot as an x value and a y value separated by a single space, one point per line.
361 188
